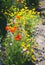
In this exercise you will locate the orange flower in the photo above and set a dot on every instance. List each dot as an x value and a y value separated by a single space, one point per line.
18 17
15 27
18 37
12 29
7 28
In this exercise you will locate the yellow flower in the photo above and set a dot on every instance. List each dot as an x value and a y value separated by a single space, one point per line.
33 12
10 20
17 0
22 1
28 35
33 9
22 9
32 50
41 21
27 40
5 13
30 11
15 12
33 57
25 48
12 14
15 8
25 31
28 45
23 44
38 13
35 44
26 7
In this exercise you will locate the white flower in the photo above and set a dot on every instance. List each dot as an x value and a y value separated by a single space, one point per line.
24 49
10 44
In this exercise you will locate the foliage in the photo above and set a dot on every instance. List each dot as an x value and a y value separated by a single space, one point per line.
32 3
29 3
3 23
19 43
19 3
5 4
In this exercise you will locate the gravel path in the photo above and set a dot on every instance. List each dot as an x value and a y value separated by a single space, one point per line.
41 63
40 39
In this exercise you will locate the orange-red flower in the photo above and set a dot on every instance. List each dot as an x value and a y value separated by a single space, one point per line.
7 28
13 29
18 37
18 16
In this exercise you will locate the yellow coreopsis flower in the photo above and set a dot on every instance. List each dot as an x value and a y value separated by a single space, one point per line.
32 50
28 45
12 14
26 7
15 12
36 45
41 21
38 13
33 9
23 44
22 9
25 48
27 40
5 13
30 11
33 57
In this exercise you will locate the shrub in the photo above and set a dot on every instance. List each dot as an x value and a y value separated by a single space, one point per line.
19 44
